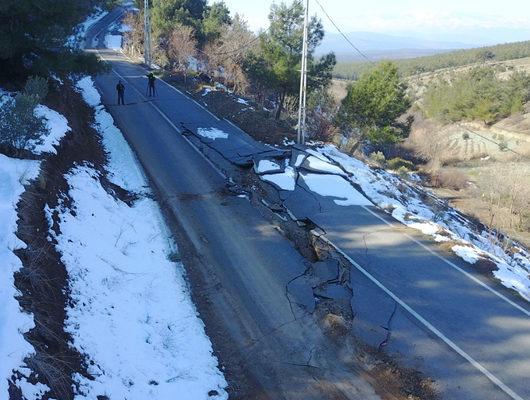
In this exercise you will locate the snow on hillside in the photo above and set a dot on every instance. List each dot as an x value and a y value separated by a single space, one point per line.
123 283
56 125
14 174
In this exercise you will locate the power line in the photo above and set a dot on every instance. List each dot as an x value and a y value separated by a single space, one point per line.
343 35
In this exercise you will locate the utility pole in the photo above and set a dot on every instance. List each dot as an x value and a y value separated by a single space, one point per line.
147 33
303 81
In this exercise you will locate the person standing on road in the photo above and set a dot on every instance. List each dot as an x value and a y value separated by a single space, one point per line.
151 84
121 93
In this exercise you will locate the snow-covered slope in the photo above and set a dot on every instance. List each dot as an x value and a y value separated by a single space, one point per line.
124 285
14 174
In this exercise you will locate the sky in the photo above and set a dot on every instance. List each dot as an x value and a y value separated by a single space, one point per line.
462 20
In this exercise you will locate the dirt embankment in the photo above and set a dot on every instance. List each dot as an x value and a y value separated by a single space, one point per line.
43 280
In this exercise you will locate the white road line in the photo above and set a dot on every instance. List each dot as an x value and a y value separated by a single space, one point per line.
474 279
501 385
166 118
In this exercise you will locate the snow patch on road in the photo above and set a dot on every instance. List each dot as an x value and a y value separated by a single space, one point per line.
212 133
335 186
113 42
322 166
267 166
285 180
14 174
131 311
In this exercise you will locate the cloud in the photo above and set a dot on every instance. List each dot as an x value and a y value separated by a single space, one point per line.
434 20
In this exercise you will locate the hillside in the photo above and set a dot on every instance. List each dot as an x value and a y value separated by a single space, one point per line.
481 167
500 52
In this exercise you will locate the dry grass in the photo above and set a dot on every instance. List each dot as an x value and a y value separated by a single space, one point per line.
449 178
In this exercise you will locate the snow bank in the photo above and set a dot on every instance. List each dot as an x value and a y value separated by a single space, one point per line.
416 207
14 174
212 133
123 168
285 180
113 42
56 125
131 313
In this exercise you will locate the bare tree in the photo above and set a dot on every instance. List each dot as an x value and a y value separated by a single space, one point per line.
181 49
133 42
430 141
504 196
225 57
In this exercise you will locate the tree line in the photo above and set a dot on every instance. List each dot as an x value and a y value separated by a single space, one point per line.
33 35
412 66
266 64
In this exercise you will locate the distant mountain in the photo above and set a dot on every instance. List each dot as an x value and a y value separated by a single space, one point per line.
479 36
380 45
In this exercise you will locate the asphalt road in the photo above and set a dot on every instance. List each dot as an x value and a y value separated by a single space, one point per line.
468 333
241 260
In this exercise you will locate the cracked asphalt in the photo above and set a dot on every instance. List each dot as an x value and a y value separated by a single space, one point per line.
248 280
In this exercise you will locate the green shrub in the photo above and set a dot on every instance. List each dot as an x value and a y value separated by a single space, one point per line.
36 87
403 171
397 163
18 123
465 136
378 158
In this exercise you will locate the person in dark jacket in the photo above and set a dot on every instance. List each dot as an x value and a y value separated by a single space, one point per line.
121 93
151 84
